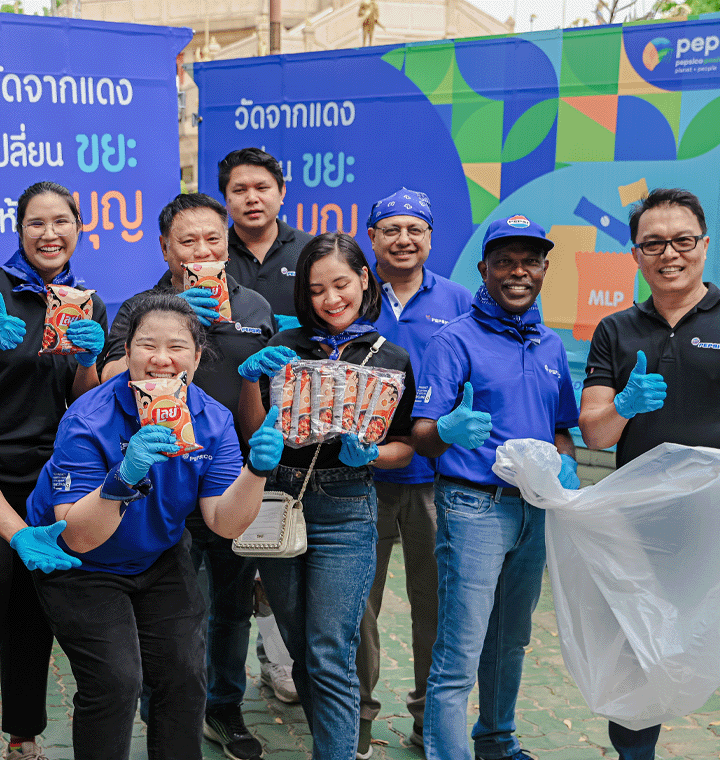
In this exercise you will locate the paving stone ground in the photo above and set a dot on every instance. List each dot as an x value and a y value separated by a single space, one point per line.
552 719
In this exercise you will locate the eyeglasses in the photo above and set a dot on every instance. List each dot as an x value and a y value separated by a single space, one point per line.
61 227
416 234
680 244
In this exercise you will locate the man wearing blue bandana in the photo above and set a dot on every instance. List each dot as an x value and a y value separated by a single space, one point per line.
493 374
415 304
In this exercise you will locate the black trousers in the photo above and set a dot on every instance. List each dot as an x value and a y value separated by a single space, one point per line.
117 630
25 638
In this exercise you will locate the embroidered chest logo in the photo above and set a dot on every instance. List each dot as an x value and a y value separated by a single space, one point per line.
704 344
287 272
553 372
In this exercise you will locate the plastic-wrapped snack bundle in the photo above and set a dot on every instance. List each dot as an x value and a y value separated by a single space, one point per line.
323 390
64 306
382 408
349 399
210 275
164 402
282 390
300 427
366 387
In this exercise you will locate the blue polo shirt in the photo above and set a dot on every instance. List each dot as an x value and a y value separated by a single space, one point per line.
92 438
523 383
438 301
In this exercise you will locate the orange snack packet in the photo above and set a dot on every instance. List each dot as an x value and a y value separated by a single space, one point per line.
283 387
164 402
300 430
348 399
366 388
384 403
210 275
64 306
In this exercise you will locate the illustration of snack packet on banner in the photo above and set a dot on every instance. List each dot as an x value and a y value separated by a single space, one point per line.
64 306
164 402
210 275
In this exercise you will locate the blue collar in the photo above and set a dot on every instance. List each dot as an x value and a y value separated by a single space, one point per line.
358 327
428 277
486 310
19 266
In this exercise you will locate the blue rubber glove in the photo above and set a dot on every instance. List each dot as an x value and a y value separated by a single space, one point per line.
87 334
38 548
144 450
356 454
568 473
463 426
266 445
12 329
286 322
203 304
643 392
267 361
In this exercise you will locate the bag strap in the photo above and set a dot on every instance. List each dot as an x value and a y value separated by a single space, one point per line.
373 350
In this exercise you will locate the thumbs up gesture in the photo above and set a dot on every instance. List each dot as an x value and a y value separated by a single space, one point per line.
463 426
643 393
266 445
12 329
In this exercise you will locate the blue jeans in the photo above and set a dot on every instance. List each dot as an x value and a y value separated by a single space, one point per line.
633 745
491 557
319 599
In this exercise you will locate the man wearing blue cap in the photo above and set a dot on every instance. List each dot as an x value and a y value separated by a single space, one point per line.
415 303
491 375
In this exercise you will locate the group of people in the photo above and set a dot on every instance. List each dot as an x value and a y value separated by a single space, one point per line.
103 529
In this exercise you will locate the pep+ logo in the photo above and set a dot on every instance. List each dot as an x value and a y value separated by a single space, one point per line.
655 51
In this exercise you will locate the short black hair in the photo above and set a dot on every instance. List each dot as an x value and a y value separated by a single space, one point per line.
42 188
165 302
663 196
185 202
248 157
344 246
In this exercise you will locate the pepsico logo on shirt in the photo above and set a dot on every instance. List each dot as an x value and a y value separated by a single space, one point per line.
518 221
287 272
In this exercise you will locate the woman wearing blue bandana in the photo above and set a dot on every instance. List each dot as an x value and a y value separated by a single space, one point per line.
319 597
35 392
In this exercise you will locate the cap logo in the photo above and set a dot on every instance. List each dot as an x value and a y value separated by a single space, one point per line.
518 221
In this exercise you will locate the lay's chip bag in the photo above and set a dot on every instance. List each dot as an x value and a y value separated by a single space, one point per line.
210 275
64 306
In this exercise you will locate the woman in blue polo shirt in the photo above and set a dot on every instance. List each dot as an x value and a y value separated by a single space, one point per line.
134 608
319 597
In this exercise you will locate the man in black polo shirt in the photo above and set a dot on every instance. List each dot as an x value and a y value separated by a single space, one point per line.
652 370
263 249
194 228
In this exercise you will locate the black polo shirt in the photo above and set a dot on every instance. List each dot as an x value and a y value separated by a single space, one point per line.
688 358
230 342
35 390
274 279
389 356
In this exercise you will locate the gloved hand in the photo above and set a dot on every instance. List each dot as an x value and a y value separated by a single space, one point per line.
568 473
286 322
356 454
12 329
266 361
38 548
87 334
203 304
463 426
266 444
643 392
144 450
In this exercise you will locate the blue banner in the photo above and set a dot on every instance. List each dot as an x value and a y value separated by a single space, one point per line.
93 106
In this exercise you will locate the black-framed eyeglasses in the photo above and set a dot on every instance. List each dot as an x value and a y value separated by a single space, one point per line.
681 244
61 227
416 234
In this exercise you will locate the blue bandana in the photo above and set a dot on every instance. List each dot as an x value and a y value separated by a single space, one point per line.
358 327
402 203
487 311
19 266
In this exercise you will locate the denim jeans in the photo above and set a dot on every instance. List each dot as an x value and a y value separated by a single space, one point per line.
319 599
633 745
491 557
115 629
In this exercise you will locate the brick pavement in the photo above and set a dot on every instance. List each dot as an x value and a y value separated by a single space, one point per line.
553 720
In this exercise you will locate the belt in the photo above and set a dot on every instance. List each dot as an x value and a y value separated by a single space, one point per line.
495 491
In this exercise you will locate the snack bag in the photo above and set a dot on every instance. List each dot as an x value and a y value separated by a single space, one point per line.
323 383
282 391
210 275
366 387
163 402
382 408
348 398
64 306
300 427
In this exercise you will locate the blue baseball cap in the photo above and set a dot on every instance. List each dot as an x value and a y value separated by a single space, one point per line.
515 226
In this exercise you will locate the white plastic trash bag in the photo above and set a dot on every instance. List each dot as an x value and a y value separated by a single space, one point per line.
635 568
